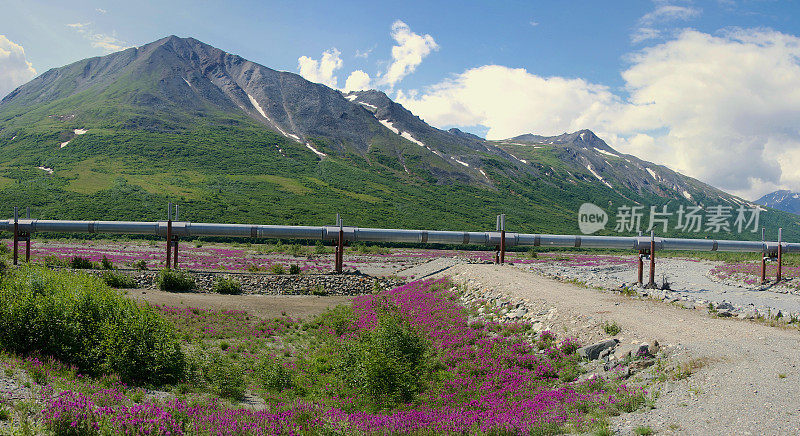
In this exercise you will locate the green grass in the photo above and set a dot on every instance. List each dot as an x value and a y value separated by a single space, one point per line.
611 328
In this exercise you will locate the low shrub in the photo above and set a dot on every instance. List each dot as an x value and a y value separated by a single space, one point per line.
227 286
253 268
294 269
80 321
117 280
387 366
52 260
105 263
225 377
140 265
274 376
78 262
277 268
172 280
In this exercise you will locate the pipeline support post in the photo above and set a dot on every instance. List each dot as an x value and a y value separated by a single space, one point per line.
169 235
502 238
780 254
340 245
640 270
763 257
175 243
652 283
16 235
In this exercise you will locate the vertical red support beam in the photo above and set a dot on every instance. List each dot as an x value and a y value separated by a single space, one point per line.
340 250
175 253
502 238
169 235
763 258
640 276
780 255
16 236
652 259
28 248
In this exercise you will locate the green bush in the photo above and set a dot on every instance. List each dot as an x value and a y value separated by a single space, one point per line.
52 260
388 365
106 264
171 280
226 377
294 269
119 281
78 262
140 264
274 376
227 286
78 320
277 268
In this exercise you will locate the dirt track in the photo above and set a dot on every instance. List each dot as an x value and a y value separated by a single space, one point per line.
262 306
750 385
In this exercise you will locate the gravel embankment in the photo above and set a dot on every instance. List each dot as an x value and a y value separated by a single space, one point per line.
746 377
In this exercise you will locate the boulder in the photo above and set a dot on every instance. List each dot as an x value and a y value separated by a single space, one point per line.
593 351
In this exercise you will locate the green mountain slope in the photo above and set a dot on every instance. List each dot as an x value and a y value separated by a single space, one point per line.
116 137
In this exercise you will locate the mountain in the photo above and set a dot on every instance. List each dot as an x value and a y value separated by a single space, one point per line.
118 136
784 200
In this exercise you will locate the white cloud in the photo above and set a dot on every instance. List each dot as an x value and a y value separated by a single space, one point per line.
101 10
649 25
669 13
357 81
534 23
14 67
644 33
321 71
724 109
364 54
411 48
105 42
509 102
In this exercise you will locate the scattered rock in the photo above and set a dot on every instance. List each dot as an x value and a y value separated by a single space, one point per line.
593 351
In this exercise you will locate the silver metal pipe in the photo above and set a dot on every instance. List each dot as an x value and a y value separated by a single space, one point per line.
365 234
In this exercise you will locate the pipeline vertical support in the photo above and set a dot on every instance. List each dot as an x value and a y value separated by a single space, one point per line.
652 260
27 247
16 235
175 244
169 235
780 254
640 270
763 257
340 246
502 238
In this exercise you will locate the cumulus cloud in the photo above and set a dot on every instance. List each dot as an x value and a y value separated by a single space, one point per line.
411 48
720 108
323 70
357 81
14 66
105 42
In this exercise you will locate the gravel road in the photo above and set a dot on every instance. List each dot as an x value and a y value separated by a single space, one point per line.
748 384
686 277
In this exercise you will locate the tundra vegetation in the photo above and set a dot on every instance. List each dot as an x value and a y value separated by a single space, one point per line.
406 360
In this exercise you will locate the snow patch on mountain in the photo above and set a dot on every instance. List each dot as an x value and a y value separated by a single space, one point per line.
607 153
318 153
461 162
388 124
594 173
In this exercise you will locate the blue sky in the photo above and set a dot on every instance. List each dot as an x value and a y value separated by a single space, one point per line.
497 68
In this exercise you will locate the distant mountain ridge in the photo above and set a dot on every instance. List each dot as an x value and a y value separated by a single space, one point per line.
180 120
784 200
